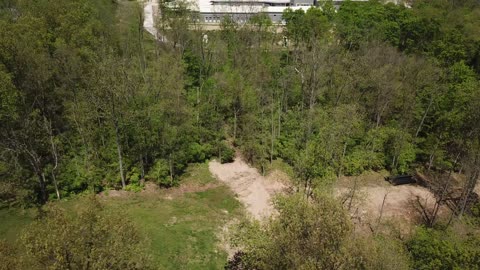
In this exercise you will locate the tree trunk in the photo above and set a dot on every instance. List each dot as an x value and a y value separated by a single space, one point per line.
234 125
340 170
381 210
57 191
43 188
468 190
119 152
48 126
423 117
171 171
272 138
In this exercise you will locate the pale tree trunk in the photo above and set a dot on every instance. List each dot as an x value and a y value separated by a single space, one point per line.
41 177
36 163
48 126
115 120
20 146
381 212
431 157
119 153
272 137
424 116
340 169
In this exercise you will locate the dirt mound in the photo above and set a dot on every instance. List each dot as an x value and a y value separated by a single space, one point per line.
251 188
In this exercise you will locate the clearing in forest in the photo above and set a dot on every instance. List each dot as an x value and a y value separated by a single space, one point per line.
373 198
252 189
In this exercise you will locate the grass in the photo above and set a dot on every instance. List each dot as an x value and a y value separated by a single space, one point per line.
182 230
12 221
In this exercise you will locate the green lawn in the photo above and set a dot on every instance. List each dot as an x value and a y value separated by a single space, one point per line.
182 230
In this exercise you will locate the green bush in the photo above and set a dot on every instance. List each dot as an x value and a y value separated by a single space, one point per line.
200 152
443 249
133 176
134 187
361 160
225 153
160 173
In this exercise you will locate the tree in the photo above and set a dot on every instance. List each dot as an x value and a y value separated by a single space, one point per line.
305 235
438 249
311 234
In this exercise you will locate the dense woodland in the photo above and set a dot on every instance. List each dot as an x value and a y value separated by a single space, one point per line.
89 101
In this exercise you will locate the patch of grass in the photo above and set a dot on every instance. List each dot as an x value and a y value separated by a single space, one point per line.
182 232
12 221
280 165
197 173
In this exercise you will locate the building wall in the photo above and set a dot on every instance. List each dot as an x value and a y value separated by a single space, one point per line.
303 2
213 11
238 17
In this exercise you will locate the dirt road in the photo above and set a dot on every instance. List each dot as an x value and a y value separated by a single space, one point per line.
251 188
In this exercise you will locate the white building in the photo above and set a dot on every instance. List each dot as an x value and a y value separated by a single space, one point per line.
212 11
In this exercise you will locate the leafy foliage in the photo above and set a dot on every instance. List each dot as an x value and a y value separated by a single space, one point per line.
311 234
432 249
92 239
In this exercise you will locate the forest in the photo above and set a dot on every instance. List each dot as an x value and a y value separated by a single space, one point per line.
90 102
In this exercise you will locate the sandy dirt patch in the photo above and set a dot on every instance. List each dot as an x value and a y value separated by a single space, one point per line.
398 200
251 188
376 200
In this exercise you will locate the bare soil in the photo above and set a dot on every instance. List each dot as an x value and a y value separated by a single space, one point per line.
375 200
253 190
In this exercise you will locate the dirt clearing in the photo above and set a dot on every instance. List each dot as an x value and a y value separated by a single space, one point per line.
252 189
375 199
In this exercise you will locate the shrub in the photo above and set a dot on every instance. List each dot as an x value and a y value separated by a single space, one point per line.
200 152
8 256
225 153
443 249
305 235
93 239
160 173
134 187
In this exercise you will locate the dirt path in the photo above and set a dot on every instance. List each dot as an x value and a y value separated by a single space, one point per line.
252 189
